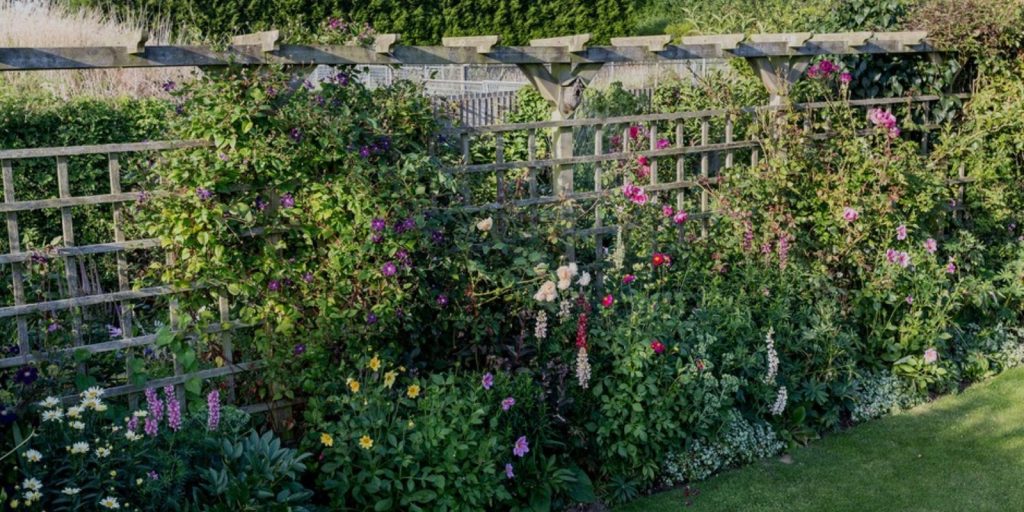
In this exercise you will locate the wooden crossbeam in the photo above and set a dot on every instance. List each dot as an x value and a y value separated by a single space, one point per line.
653 43
136 43
483 44
262 49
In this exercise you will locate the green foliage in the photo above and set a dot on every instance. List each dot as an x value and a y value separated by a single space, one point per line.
517 21
685 18
254 472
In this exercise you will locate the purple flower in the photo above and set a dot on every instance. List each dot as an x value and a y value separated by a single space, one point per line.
521 448
389 269
371 319
378 224
203 194
850 214
403 257
213 410
7 415
487 380
53 327
223 157
378 238
661 144
115 332
307 277
274 285
153 475
910 299
442 300
296 134
901 232
154 406
845 77
628 279
507 403
299 349
261 204
169 86
437 237
133 423
508 471
931 245
26 375
951 268
364 152
173 408
287 201
152 427
408 224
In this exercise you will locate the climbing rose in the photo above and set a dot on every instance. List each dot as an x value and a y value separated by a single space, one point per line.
680 217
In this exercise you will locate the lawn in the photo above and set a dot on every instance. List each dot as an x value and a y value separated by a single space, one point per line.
959 453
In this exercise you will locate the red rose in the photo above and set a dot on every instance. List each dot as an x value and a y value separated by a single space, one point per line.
657 346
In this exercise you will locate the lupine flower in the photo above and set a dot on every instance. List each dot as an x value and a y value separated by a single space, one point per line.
850 214
608 300
773 357
487 380
507 403
508 471
155 408
26 375
930 356
521 448
628 279
389 269
581 331
173 409
901 232
213 410
151 427
540 331
203 194
680 217
583 367
780 401
657 346
931 246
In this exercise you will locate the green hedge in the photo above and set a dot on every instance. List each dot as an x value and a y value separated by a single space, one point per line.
417 21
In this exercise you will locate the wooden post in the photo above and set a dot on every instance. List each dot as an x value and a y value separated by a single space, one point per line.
14 246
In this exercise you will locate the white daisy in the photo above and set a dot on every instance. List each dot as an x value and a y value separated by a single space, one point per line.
80 447
77 425
50 402
93 392
103 452
140 414
75 412
71 491
110 502
53 415
33 456
32 484
33 496
132 436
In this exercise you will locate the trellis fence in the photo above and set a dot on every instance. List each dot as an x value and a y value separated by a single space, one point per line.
489 108
704 143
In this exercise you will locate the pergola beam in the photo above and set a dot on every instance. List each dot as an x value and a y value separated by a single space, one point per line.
253 51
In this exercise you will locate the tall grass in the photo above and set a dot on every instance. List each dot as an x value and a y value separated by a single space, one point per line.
46 23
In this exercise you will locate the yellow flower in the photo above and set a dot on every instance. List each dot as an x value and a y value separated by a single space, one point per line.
374 363
14 504
326 439
413 391
389 379
353 385
366 442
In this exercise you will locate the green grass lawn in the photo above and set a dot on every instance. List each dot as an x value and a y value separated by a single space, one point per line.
959 453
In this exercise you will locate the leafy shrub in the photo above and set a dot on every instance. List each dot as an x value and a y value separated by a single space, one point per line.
740 442
986 29
881 394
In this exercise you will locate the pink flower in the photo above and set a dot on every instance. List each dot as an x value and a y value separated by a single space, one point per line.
931 245
487 380
930 356
521 448
680 217
628 279
910 299
901 232
634 131
661 144
644 171
667 210
951 268
642 160
884 120
850 214
903 259
507 403
608 300
658 259
845 77
657 346
634 193
509 473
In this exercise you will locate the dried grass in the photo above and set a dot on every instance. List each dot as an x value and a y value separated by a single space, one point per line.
44 23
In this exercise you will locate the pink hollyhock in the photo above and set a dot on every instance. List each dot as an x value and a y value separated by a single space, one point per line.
657 346
608 300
